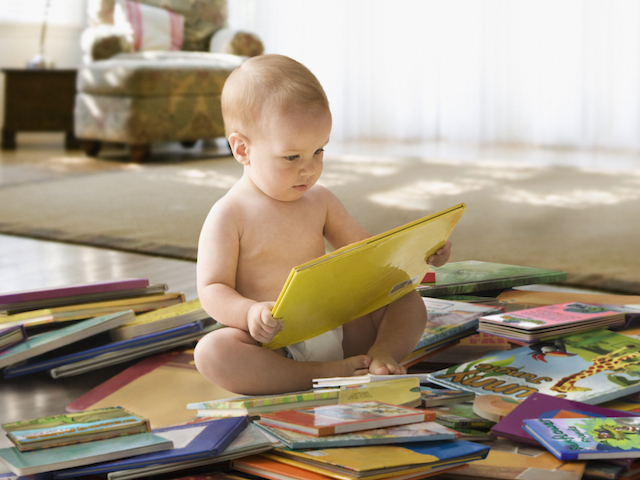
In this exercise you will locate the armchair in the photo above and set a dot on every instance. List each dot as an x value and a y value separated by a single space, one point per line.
149 75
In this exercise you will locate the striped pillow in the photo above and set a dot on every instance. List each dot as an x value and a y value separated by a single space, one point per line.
149 28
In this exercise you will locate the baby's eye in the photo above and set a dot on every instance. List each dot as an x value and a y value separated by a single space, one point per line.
292 157
319 151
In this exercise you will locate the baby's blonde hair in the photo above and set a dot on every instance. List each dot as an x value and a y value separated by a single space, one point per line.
266 85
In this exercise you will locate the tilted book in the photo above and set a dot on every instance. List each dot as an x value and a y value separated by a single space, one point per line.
12 335
359 278
587 438
71 428
344 418
590 367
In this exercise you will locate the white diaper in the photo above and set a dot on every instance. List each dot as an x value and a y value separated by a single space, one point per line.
323 348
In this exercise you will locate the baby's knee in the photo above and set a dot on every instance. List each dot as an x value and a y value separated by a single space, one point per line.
211 351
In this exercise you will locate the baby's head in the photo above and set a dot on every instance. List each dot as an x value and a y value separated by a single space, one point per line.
266 86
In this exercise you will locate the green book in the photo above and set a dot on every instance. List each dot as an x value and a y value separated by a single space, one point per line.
471 276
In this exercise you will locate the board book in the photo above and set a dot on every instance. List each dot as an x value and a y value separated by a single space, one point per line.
359 278
414 432
550 321
539 405
71 428
11 336
437 397
345 418
587 438
590 367
460 415
472 276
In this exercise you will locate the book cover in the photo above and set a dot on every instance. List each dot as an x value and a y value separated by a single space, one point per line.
587 438
460 415
192 441
171 376
471 276
396 391
257 404
83 351
384 461
71 428
161 319
494 407
11 336
436 397
590 367
52 459
550 321
327 382
414 432
343 418
48 341
539 405
372 273
535 298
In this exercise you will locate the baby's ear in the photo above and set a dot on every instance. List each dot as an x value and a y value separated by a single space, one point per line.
238 144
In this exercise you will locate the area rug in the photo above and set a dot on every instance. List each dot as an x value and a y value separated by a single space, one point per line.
584 222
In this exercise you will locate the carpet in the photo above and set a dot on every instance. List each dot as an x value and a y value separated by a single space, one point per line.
585 222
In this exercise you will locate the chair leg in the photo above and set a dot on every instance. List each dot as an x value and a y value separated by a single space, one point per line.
91 148
139 153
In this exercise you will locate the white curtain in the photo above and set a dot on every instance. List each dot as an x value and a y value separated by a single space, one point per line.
561 73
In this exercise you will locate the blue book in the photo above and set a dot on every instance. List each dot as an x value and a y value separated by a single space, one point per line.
12 335
587 438
206 439
54 359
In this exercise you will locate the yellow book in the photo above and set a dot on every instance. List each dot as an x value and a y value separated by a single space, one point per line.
161 319
359 278
401 391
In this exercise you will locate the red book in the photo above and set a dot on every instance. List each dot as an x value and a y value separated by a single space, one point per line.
345 418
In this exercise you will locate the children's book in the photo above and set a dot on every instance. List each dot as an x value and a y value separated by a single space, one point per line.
12 335
590 367
550 321
327 382
161 319
48 341
534 298
95 347
192 441
539 405
460 415
471 276
382 461
53 316
71 428
254 405
170 376
437 397
359 278
494 407
52 459
396 391
587 438
344 418
414 432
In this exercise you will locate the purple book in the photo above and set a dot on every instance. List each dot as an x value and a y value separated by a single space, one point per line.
539 405
72 290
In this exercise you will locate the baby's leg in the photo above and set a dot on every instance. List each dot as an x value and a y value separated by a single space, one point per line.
387 335
233 360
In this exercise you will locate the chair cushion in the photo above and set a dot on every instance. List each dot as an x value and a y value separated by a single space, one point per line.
150 74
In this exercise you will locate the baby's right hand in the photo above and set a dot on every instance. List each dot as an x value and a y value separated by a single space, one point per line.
262 326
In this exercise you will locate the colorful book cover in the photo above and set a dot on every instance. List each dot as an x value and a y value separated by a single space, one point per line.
396 391
550 321
385 461
48 341
414 432
11 336
373 273
52 459
443 396
457 278
193 441
590 367
460 415
587 438
539 405
344 418
71 428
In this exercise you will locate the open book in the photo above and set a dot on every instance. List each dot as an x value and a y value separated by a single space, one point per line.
359 278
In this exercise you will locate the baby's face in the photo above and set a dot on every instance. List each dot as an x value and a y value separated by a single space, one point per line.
285 160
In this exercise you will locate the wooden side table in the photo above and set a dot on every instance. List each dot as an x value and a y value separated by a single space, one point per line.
38 101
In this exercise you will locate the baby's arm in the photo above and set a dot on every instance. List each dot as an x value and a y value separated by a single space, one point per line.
218 251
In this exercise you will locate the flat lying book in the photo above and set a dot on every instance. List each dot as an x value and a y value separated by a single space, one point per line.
587 438
344 418
12 335
359 278
437 397
550 321
327 382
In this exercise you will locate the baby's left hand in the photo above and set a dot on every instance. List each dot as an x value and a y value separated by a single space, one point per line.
441 257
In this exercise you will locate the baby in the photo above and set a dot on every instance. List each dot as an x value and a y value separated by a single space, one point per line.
277 121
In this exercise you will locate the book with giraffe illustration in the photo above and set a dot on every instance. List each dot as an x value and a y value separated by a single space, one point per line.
590 367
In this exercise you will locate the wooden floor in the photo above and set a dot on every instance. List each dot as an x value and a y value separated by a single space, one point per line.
30 264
